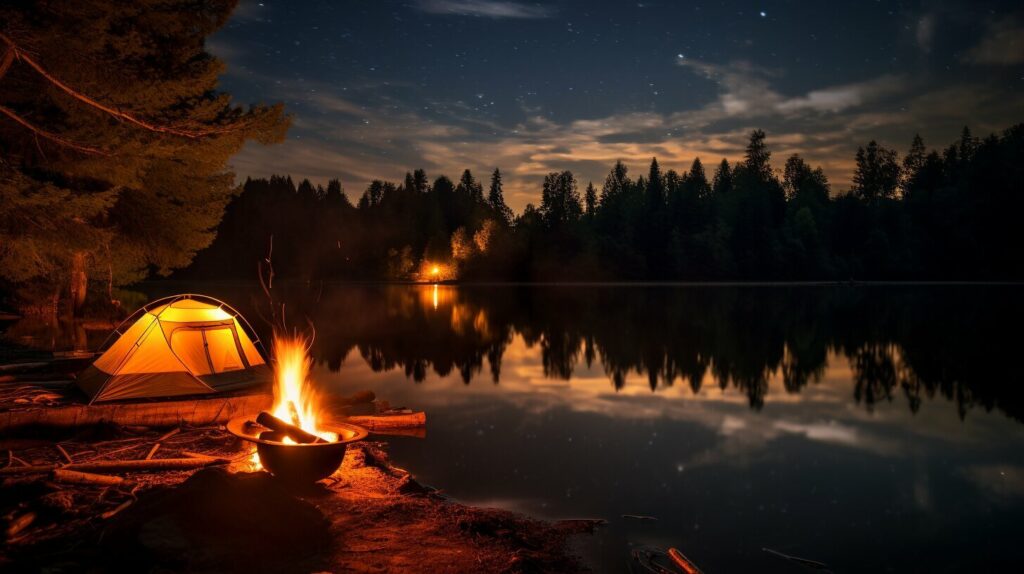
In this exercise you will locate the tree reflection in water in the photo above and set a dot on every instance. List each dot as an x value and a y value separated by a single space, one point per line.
907 343
915 341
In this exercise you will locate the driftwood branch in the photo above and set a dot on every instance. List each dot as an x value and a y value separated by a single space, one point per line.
119 466
110 513
64 453
411 420
76 477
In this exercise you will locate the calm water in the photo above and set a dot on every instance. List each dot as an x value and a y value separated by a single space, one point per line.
876 429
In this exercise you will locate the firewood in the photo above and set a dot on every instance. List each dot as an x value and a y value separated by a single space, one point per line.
191 454
110 513
152 451
169 434
64 453
20 523
147 465
120 466
291 431
75 477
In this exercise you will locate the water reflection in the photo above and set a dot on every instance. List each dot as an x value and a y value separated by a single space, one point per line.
906 344
844 424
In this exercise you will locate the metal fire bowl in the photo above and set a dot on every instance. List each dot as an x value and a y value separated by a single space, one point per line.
297 463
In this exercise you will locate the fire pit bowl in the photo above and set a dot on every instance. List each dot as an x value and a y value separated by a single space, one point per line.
297 463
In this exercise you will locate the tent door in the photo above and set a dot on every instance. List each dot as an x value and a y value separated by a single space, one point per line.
209 350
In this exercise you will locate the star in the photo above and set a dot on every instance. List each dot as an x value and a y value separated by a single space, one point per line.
764 14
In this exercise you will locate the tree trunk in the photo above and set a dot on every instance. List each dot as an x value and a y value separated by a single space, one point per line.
79 282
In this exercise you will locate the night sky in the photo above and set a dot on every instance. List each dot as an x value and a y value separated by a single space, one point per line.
377 88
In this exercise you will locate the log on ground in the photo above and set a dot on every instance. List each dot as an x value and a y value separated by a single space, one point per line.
197 411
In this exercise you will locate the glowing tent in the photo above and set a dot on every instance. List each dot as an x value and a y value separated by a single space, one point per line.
179 345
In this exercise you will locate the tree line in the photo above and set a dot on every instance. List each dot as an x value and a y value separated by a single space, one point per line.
930 215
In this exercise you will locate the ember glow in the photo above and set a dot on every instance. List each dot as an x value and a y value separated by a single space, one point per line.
295 399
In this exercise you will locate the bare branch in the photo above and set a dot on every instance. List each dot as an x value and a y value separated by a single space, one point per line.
192 134
50 135
7 61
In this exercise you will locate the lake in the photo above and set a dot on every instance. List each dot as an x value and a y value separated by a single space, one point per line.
872 428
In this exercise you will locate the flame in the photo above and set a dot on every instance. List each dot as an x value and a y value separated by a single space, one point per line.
295 399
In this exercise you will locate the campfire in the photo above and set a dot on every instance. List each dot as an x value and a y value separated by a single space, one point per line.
291 441
295 399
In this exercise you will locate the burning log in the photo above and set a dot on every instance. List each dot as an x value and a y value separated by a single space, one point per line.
76 477
289 430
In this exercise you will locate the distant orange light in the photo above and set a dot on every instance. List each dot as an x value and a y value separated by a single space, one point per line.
435 270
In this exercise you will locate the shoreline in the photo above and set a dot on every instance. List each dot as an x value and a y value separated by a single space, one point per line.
369 517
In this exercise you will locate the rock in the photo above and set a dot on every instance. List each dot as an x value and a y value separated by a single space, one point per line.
218 521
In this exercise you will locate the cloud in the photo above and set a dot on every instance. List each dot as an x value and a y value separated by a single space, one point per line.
1000 481
747 92
925 32
486 8
1001 45
364 132
839 98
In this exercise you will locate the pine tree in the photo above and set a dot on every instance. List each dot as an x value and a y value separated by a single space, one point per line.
419 182
590 200
877 173
803 184
616 184
697 180
114 107
560 199
655 187
757 156
722 183
496 199
968 145
468 186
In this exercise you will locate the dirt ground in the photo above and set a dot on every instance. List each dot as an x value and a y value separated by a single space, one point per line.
368 517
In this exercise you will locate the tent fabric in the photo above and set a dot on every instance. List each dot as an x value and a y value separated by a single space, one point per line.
185 346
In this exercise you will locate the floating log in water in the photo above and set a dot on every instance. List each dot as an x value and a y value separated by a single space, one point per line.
813 564
195 411
119 466
640 517
683 562
388 422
